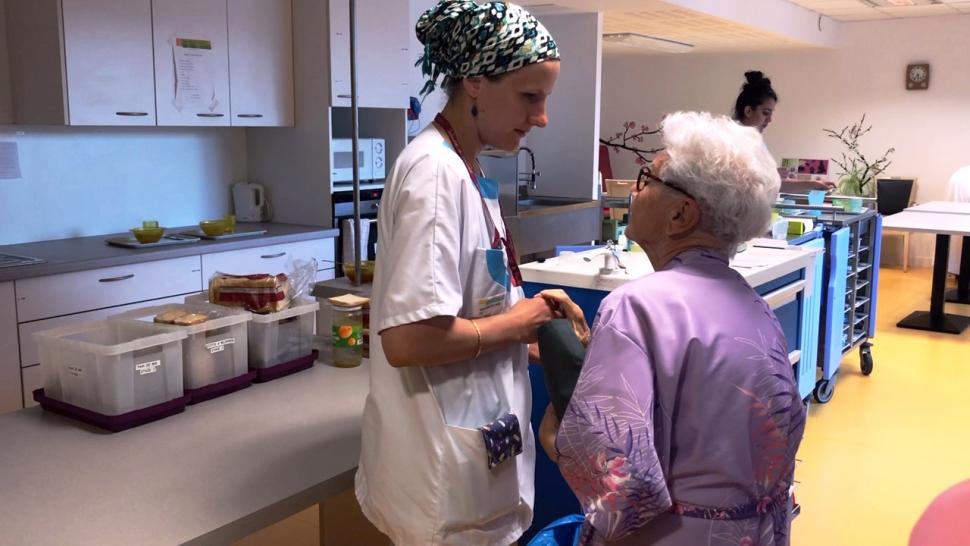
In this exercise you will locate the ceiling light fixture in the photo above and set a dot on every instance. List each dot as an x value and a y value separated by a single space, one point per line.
644 41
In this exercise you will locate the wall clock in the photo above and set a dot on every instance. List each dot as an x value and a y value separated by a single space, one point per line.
918 76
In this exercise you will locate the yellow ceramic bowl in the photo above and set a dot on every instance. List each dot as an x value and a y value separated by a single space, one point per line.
366 270
146 235
213 227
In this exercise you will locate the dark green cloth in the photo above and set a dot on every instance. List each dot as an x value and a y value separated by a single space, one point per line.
562 360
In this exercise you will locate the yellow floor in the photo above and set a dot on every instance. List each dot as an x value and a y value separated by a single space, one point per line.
874 456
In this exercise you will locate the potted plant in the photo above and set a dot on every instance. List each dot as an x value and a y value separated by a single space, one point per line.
858 173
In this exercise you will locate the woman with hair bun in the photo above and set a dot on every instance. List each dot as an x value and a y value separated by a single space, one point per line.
447 454
755 107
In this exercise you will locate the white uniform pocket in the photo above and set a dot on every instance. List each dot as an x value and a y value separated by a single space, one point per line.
488 499
488 286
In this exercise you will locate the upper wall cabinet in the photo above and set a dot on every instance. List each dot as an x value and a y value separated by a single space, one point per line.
383 61
261 62
81 62
151 62
191 62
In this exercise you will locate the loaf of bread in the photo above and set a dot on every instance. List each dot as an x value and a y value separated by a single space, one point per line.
260 293
180 317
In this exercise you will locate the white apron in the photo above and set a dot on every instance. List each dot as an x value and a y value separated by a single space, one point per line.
423 476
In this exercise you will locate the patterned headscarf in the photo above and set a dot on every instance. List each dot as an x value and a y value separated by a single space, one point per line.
463 38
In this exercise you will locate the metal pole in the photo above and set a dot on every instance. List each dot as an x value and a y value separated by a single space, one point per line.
355 137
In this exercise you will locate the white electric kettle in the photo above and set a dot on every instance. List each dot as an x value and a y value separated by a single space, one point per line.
249 202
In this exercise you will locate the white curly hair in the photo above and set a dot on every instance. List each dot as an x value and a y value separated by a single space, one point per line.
726 168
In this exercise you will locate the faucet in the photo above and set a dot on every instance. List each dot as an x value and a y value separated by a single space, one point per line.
611 260
533 173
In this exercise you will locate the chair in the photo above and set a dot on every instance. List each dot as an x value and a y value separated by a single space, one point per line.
895 195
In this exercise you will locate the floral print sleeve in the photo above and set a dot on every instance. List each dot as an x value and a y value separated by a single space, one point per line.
605 442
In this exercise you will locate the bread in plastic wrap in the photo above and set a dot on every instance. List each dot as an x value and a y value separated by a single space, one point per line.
260 293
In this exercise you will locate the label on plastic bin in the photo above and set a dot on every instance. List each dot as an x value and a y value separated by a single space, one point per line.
347 335
146 368
76 371
219 346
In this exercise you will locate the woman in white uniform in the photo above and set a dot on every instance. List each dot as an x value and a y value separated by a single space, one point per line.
448 455
754 107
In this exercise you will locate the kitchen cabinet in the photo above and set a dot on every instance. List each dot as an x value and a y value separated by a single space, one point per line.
9 361
270 259
81 62
261 62
40 303
32 378
383 60
68 293
191 62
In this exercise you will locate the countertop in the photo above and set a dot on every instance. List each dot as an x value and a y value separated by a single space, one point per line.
210 475
83 253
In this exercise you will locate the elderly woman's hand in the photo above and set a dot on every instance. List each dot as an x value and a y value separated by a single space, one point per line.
570 311
548 430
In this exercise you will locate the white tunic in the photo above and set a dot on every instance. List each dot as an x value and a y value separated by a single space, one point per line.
423 476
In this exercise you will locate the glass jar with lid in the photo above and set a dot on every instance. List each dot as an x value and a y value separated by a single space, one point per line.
348 330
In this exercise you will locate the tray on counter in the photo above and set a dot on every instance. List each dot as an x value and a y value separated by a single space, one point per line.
129 241
201 235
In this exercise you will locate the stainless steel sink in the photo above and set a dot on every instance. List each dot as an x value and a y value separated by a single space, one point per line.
542 223
11 260
530 203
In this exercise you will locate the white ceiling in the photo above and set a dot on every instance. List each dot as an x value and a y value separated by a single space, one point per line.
703 31
709 31
867 10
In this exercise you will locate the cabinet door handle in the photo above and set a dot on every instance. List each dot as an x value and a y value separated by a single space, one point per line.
271 256
249 115
131 114
116 279
210 115
343 96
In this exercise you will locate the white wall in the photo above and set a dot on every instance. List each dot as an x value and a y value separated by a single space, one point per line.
83 181
824 88
566 149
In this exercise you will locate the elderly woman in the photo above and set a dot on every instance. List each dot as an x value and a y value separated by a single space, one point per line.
683 426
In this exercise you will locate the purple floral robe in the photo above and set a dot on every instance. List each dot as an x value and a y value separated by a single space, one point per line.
686 418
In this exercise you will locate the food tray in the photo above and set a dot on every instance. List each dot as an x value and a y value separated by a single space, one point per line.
131 242
200 234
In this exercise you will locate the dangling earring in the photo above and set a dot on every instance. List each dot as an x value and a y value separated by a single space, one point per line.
474 110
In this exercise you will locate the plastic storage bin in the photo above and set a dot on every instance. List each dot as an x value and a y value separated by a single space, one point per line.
280 343
110 368
279 337
215 352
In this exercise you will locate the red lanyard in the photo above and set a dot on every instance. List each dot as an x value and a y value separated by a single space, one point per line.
497 239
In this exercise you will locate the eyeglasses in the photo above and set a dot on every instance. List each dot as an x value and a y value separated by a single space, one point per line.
646 176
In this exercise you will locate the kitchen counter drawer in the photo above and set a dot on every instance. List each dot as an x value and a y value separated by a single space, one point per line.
55 295
25 331
267 259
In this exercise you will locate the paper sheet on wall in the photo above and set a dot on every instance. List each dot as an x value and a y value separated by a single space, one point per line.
9 161
194 81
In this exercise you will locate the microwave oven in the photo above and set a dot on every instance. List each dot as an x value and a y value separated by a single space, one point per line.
370 152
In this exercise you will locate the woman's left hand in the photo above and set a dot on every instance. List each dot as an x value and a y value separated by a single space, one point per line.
548 430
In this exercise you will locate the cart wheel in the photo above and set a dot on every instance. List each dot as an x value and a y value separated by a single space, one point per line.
824 390
865 356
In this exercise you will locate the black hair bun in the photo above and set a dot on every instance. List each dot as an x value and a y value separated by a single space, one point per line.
756 78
